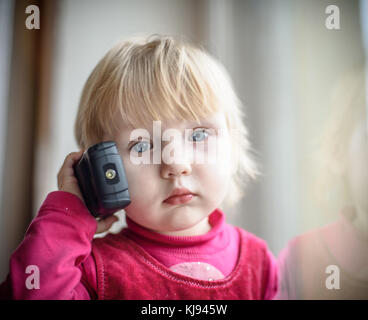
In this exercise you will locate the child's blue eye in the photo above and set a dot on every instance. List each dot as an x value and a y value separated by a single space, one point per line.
142 146
199 135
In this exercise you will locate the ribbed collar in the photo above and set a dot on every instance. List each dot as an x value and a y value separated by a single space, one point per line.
216 220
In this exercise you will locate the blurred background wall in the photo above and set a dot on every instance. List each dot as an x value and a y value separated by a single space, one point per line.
283 60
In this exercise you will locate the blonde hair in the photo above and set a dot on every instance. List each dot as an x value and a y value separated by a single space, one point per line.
158 77
347 107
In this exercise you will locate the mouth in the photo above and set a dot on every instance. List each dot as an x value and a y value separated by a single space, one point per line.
179 199
179 196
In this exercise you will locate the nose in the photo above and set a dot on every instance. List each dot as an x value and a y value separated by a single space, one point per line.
175 165
175 170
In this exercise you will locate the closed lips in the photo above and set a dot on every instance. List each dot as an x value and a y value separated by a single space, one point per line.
179 192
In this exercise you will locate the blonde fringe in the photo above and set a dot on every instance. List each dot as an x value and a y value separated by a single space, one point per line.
162 78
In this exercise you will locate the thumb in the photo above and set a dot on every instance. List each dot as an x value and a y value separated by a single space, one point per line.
105 224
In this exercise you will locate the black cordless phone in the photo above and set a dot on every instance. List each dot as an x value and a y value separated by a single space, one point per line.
102 180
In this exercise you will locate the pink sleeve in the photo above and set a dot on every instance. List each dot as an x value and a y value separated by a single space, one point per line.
273 277
54 259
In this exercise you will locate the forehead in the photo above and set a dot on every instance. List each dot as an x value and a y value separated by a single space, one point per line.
216 121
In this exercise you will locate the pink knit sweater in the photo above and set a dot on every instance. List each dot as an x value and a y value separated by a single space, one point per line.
71 265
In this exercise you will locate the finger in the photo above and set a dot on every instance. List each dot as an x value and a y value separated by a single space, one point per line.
72 157
67 171
67 165
67 181
105 224
66 175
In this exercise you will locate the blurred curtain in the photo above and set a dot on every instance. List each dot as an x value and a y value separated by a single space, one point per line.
26 116
364 25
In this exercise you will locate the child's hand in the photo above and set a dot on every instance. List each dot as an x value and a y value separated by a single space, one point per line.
69 183
66 178
105 224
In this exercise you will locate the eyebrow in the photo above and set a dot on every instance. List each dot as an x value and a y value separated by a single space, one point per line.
203 122
208 122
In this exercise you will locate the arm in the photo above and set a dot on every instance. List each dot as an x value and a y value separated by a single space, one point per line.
48 262
273 276
54 261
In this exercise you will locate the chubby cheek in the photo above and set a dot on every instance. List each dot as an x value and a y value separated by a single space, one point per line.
217 175
142 186
214 184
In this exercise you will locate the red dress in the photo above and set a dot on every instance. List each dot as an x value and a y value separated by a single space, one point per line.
126 271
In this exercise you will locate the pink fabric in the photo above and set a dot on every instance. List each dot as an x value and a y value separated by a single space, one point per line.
303 263
212 255
126 271
59 242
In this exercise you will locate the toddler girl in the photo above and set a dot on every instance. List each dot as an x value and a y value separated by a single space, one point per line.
166 103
